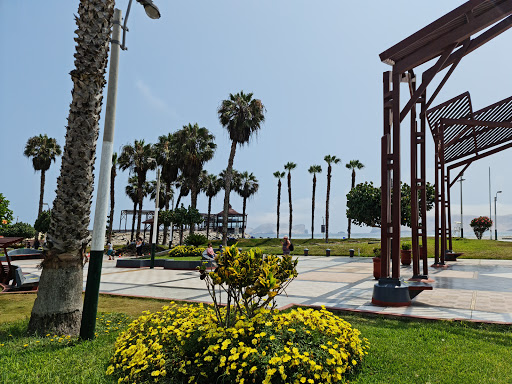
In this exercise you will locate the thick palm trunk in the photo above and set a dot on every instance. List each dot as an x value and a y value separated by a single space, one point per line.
133 220
58 306
208 218
327 204
313 207
349 227
227 189
112 204
278 204
290 204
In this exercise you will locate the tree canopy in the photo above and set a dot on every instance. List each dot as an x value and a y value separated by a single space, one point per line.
364 204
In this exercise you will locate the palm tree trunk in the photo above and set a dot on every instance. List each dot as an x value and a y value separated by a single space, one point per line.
227 189
140 198
290 203
193 202
327 204
243 217
41 197
208 218
313 207
349 227
133 220
112 203
278 204
58 306
166 227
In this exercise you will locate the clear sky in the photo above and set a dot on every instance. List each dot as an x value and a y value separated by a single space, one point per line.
314 65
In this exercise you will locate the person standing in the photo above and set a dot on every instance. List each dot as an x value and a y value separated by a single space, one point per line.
286 245
138 246
110 251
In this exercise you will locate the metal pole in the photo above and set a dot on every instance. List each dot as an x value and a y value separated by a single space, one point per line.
155 219
461 214
92 288
490 209
495 219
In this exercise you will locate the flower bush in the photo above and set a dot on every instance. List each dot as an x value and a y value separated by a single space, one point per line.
186 344
186 250
250 280
480 225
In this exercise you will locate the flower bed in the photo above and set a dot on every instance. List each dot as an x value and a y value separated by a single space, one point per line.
186 250
185 344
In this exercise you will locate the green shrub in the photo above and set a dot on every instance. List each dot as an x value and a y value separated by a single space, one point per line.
42 223
196 239
406 246
186 250
250 280
184 344
18 230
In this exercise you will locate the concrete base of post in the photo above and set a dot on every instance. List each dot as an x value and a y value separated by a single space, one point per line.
389 292
327 252
306 251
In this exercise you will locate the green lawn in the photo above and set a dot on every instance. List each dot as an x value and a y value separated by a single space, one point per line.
472 248
402 350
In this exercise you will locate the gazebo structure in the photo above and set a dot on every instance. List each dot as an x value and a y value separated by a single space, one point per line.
446 40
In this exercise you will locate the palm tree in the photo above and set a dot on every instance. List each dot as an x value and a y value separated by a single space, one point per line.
113 174
330 160
58 306
289 166
132 191
165 154
183 186
314 169
212 185
279 175
242 116
195 147
353 165
43 150
246 186
138 158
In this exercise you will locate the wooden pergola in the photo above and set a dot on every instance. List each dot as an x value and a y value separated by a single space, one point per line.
444 42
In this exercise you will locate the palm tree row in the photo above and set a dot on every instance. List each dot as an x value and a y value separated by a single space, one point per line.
314 170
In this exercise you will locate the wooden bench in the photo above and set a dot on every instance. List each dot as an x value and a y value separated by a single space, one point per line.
452 256
416 287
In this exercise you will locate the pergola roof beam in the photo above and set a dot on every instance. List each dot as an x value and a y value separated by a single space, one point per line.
480 156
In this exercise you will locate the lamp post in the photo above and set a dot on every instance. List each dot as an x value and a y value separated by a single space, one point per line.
495 217
461 215
92 288
155 219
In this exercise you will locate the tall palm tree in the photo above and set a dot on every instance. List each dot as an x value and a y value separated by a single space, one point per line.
113 174
212 185
330 160
183 186
195 147
165 154
132 191
242 116
353 165
138 158
279 175
43 150
161 199
58 306
289 166
314 169
246 186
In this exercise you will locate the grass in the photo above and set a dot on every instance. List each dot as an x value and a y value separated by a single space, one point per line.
472 248
402 350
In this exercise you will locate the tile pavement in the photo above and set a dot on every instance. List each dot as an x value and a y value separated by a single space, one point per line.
478 290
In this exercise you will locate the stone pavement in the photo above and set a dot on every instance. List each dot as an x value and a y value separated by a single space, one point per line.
478 290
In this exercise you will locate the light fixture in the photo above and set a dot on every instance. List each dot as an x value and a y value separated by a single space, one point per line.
151 9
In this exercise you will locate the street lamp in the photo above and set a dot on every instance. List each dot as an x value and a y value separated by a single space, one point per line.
495 217
92 287
461 216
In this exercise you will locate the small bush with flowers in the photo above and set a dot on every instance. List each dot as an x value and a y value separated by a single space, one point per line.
244 341
186 250
480 225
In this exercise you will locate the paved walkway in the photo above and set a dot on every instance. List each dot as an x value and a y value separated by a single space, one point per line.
468 289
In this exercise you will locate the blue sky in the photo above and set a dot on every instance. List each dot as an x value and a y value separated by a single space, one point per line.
314 65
